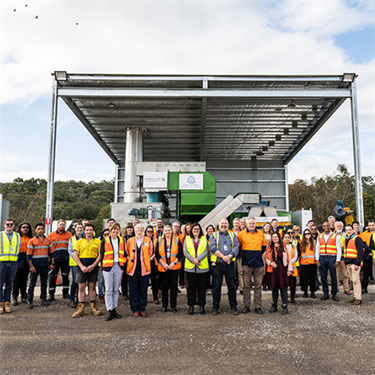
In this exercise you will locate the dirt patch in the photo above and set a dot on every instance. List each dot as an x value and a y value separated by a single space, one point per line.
315 338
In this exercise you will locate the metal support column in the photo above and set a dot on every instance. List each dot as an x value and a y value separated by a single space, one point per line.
286 188
51 159
133 152
356 153
139 158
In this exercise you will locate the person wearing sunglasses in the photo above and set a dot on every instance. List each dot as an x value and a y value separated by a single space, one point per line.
308 264
296 232
20 280
10 246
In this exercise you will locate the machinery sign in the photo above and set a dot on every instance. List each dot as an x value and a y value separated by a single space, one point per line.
155 180
191 181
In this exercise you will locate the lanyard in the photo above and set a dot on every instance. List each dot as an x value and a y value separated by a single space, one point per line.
10 237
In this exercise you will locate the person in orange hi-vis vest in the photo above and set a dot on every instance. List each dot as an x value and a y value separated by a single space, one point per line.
353 257
168 254
308 263
139 250
113 259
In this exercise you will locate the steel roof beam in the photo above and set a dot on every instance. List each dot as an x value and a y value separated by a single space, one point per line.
201 93
250 78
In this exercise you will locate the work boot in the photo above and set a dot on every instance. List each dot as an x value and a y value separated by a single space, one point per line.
1 308
273 308
43 302
94 310
292 300
66 296
7 307
80 311
30 304
285 310
73 305
14 302
116 314
23 300
51 298
109 316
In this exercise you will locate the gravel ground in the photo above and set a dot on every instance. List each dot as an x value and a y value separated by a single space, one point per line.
317 337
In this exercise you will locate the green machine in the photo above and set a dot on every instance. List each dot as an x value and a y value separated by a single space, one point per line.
195 193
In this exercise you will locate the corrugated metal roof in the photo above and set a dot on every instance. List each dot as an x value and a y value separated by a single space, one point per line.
192 118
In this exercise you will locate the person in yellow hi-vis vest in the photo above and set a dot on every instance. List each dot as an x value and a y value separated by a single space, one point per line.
10 245
196 267
73 265
224 249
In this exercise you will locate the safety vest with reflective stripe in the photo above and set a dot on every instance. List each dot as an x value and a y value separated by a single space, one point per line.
216 236
295 264
328 248
9 250
308 256
191 250
350 250
163 253
72 262
108 253
295 244
132 253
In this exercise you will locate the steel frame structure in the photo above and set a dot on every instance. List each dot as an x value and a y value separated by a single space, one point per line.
205 118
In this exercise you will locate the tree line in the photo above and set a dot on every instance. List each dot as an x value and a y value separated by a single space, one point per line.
77 200
73 200
321 194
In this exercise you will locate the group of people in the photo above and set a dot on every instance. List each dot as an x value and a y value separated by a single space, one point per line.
246 256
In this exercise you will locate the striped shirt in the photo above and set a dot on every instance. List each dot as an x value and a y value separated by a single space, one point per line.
38 251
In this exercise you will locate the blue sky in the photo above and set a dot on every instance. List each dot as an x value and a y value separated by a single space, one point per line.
299 37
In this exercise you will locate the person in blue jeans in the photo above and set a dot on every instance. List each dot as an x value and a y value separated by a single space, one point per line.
328 256
224 249
73 265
